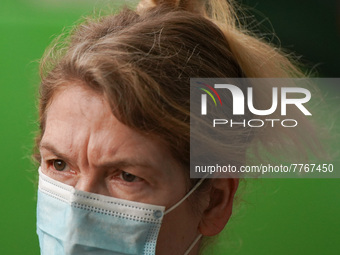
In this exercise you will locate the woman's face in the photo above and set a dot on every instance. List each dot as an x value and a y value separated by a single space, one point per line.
85 146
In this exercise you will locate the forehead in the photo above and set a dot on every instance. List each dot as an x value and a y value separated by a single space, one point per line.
76 112
78 101
80 120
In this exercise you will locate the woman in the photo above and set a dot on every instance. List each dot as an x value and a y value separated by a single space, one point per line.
115 121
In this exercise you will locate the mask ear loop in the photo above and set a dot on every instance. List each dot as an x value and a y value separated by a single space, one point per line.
186 196
193 244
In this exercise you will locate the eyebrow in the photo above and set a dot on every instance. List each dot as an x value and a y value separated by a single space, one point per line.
51 148
116 163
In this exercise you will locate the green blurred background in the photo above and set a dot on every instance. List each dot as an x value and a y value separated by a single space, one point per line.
278 216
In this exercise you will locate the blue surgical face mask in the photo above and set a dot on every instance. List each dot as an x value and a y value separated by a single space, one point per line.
74 222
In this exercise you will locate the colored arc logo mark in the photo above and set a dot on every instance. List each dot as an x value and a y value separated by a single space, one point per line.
209 93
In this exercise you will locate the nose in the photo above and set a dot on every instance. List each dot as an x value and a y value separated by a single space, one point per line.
92 184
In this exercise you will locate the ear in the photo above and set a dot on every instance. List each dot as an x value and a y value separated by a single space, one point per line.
218 212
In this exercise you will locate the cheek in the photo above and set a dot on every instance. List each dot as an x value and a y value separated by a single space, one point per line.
179 229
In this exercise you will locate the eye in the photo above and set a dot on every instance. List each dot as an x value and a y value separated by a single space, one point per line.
129 177
59 164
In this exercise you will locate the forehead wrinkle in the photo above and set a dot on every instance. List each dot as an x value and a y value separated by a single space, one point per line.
114 142
103 133
64 139
68 121
99 149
